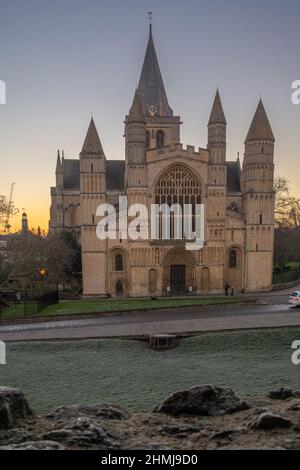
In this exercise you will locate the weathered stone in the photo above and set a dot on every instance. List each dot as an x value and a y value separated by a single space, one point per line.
269 420
103 411
14 407
203 400
178 429
15 436
225 434
294 407
34 445
281 393
82 432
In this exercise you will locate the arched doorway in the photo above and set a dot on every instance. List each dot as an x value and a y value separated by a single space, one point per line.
152 281
178 279
119 289
234 268
205 281
179 271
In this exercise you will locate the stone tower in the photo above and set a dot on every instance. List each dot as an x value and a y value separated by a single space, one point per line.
25 228
217 178
135 146
258 201
217 133
92 194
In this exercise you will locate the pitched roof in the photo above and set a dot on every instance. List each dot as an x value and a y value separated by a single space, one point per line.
92 144
71 174
151 87
260 128
136 110
233 177
115 171
217 115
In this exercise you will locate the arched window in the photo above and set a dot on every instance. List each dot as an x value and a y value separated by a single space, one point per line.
232 259
119 288
147 139
178 185
119 262
160 138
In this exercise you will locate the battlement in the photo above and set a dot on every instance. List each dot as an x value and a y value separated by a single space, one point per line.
175 147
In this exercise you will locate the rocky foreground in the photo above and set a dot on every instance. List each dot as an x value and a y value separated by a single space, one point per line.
203 417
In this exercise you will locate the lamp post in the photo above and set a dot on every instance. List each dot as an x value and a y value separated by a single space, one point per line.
42 272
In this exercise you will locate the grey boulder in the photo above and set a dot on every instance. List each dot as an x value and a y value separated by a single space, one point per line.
14 407
202 400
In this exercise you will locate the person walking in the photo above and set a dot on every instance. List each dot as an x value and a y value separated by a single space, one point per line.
226 288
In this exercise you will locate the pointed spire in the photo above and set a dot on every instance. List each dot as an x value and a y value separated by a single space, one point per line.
260 128
151 87
92 144
217 115
58 163
136 111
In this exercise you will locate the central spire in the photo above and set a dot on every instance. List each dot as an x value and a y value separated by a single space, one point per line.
151 87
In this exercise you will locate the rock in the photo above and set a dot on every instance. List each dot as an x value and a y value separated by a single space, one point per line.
294 407
14 407
225 434
178 429
82 432
34 445
96 411
202 400
15 436
284 393
269 420
281 393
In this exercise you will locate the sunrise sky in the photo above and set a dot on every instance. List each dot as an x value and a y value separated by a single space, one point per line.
63 60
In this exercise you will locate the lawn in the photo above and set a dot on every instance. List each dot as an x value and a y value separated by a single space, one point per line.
129 373
110 305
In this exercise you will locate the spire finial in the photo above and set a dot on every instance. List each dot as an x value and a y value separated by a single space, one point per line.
150 20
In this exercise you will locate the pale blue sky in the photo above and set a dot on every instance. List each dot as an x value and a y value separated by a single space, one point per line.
63 60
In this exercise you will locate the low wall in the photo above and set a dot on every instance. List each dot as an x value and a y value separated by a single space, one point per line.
286 285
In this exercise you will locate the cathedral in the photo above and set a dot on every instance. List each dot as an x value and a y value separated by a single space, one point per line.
158 168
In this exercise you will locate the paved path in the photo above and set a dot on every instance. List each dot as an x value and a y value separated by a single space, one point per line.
271 310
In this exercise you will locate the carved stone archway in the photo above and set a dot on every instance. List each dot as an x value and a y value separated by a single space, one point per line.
179 271
234 268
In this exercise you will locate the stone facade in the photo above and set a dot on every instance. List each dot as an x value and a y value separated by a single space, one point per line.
238 200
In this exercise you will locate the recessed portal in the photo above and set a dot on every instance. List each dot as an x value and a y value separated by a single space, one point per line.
178 279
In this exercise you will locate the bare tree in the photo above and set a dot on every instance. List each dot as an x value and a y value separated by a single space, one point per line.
287 207
6 209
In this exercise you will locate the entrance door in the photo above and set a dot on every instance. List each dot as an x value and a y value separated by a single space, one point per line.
119 289
178 279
